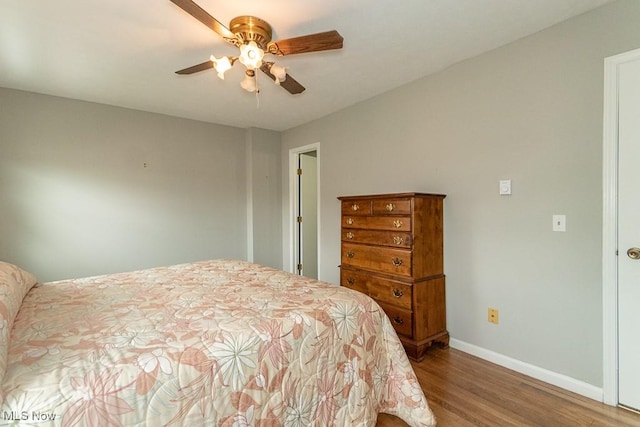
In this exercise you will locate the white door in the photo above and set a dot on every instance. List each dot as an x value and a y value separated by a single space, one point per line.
629 234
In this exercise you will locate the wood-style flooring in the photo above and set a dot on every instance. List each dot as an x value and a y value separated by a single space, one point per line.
464 390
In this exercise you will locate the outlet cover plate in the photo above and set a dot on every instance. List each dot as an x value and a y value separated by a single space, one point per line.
493 315
505 187
559 223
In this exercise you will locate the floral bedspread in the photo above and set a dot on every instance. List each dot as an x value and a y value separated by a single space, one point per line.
214 343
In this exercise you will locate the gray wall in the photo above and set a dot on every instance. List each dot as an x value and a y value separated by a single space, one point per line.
89 189
264 197
531 112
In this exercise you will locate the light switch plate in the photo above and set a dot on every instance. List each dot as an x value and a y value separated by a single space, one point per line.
505 187
559 223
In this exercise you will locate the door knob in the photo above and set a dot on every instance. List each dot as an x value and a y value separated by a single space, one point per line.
633 253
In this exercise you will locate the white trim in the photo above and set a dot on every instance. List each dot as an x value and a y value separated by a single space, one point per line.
249 178
293 201
610 226
533 371
609 235
318 219
288 258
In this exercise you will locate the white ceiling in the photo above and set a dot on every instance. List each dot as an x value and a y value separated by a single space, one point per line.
125 52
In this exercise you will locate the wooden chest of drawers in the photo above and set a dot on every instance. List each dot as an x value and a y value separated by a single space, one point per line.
392 251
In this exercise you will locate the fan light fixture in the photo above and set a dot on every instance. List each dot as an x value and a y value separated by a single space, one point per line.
222 64
280 73
251 56
250 83
252 36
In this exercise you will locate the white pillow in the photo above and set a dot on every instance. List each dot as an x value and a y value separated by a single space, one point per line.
14 285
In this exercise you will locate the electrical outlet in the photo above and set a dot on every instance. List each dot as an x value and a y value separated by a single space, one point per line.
559 223
493 315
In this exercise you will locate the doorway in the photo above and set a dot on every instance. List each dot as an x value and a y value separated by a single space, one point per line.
621 231
304 208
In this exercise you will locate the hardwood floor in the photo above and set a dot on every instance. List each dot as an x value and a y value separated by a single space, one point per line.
464 390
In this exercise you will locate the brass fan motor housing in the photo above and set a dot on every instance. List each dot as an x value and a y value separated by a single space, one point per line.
249 28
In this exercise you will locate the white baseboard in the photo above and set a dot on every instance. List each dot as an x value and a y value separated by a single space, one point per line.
559 380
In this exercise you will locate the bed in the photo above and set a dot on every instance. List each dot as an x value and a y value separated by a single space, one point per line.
212 343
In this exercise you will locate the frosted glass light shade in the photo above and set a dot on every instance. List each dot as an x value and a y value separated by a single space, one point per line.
280 73
251 55
221 65
249 83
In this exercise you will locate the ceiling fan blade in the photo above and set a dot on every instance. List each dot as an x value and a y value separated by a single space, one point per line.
290 84
196 68
309 43
203 16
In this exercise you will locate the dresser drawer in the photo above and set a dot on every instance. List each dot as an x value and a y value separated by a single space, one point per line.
400 319
394 223
378 258
392 207
354 281
386 238
356 207
386 291
378 288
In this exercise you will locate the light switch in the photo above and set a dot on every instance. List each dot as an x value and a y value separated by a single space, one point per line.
559 223
505 187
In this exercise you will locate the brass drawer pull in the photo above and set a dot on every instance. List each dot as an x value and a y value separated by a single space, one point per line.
350 235
390 207
398 240
351 281
397 293
355 207
396 261
350 254
397 320
350 221
397 223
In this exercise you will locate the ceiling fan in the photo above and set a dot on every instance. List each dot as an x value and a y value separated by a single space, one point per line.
253 37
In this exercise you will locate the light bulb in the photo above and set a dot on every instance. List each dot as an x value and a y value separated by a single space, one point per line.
221 65
251 55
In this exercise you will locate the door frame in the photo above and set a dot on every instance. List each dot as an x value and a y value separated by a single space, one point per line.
293 203
610 226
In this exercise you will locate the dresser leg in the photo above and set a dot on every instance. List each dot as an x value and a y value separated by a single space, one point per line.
416 351
443 340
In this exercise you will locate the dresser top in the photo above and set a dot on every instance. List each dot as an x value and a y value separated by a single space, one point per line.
392 195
